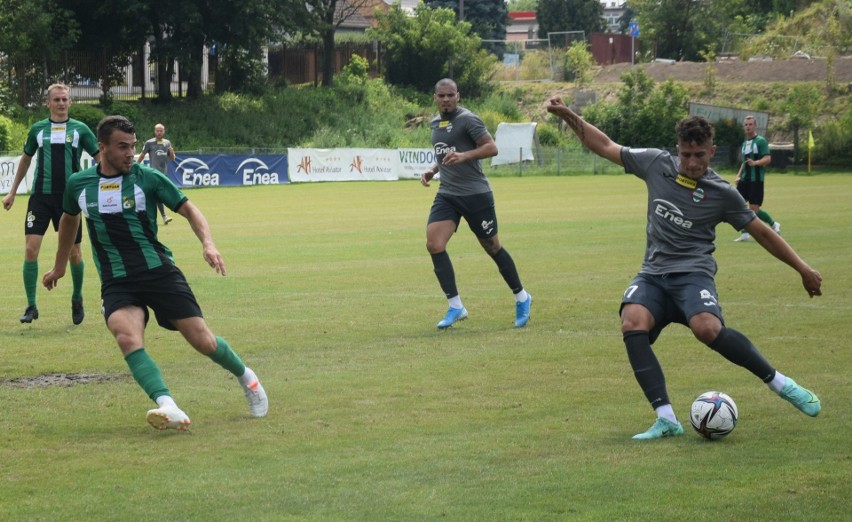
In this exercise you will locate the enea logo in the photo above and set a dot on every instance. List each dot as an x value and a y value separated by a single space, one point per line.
441 149
669 212
304 165
193 171
357 164
255 172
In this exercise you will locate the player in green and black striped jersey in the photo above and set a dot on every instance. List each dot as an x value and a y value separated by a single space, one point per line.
57 143
119 199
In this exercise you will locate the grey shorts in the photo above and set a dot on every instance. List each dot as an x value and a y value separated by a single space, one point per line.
673 298
477 209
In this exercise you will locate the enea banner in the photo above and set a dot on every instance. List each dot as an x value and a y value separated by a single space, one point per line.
214 170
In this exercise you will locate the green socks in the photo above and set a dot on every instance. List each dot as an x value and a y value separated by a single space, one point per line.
225 357
77 281
30 281
147 374
765 217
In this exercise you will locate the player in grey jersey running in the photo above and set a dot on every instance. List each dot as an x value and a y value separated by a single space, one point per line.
460 140
118 198
686 200
161 152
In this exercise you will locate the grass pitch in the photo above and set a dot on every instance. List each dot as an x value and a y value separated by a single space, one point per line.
377 415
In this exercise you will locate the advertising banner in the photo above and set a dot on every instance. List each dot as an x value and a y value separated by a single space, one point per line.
414 162
9 167
342 164
232 170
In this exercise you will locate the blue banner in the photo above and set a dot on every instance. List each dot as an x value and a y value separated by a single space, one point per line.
215 170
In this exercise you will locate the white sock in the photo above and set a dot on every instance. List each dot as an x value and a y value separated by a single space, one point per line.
522 296
777 382
665 411
248 377
455 302
165 400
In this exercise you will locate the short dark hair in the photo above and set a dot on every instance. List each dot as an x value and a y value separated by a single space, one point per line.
446 82
114 123
695 129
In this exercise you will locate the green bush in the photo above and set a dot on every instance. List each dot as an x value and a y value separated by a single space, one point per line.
549 136
5 133
833 141
88 114
128 110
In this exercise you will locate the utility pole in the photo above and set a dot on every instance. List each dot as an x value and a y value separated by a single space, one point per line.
461 10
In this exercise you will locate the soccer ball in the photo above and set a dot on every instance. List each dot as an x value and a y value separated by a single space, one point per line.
713 415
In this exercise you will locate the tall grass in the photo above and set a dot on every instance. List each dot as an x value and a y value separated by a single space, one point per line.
377 415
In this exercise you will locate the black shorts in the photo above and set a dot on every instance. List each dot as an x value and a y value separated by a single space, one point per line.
164 290
477 209
751 191
43 209
673 298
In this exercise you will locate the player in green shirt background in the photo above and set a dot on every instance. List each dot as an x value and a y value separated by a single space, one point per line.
57 143
752 174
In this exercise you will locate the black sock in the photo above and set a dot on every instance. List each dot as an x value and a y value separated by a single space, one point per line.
646 367
507 268
446 274
736 347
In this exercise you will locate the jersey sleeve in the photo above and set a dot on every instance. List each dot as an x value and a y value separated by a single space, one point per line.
762 148
70 201
736 211
638 161
88 141
31 145
476 127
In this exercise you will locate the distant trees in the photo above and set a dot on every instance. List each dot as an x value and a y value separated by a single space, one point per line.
569 15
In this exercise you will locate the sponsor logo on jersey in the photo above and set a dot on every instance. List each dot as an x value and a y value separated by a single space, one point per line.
669 212
106 187
487 226
686 182
442 149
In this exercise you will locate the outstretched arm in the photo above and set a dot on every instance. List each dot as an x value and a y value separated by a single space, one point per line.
202 231
590 136
775 245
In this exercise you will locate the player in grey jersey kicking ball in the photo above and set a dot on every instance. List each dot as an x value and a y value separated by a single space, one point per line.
461 140
119 199
686 200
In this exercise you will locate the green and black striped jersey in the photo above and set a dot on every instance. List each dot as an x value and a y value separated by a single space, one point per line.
58 147
121 217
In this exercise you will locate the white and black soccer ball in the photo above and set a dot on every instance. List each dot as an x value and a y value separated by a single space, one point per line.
713 415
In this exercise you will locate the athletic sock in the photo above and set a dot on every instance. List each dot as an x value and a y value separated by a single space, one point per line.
225 357
147 374
646 367
77 281
248 377
30 271
165 400
455 302
522 296
765 217
778 381
445 273
508 270
735 347
667 412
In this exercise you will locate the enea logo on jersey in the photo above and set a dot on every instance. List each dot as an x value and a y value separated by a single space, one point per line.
193 171
441 149
669 212
255 172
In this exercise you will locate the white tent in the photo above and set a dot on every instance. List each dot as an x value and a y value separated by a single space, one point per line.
515 143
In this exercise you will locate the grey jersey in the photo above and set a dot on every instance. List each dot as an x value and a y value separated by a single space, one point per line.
459 133
682 213
158 153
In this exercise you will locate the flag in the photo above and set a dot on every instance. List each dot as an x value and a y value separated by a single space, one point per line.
810 140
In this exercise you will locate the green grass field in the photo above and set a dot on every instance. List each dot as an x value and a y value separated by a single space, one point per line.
377 415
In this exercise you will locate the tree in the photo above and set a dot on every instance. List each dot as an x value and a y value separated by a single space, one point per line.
569 15
32 33
431 45
487 18
328 15
677 29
